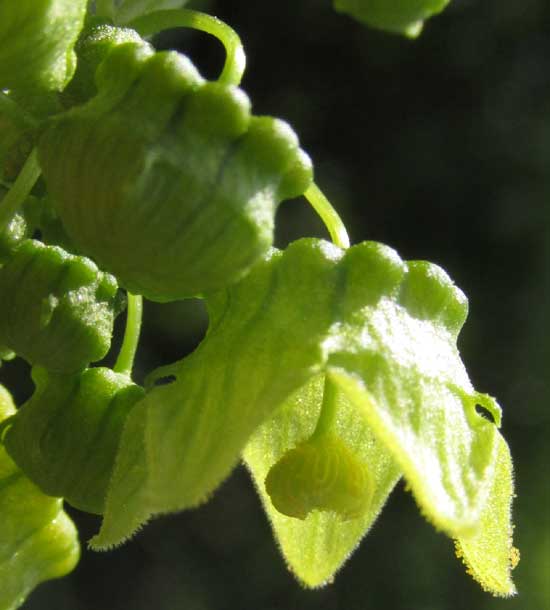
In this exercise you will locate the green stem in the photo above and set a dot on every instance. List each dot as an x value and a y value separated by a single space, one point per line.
329 216
125 360
20 189
327 417
235 60
11 109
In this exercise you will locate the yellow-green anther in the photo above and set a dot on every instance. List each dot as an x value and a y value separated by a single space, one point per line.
399 16
66 436
36 43
166 180
57 309
38 541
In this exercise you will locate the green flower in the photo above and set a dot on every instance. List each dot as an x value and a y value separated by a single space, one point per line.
325 368
164 179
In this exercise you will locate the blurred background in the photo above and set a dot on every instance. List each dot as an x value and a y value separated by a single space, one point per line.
439 147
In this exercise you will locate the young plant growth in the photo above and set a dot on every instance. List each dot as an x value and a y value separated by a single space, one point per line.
331 370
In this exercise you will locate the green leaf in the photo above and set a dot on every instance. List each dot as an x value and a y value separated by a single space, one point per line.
36 42
38 541
316 547
398 16
488 554
383 330
128 10
167 180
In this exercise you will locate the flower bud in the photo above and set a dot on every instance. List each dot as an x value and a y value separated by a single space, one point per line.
167 180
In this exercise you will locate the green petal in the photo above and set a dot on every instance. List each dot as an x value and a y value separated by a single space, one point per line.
489 554
38 541
398 16
315 548
384 330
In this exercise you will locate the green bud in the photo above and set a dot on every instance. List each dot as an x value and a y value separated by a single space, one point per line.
398 16
167 180
57 310
36 42
320 474
66 436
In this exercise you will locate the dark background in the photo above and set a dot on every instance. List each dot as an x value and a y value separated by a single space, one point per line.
439 147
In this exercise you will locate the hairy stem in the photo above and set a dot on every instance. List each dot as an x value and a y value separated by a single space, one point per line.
20 190
235 60
328 215
125 360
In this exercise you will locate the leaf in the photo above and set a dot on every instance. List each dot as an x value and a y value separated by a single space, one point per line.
489 554
316 547
38 541
398 16
36 42
383 330
128 10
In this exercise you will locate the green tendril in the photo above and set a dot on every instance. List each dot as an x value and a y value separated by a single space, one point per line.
20 190
328 215
125 360
327 416
235 61
11 109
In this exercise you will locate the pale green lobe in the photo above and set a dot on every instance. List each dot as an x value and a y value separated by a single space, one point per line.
38 541
316 547
385 331
398 16
36 42
489 554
